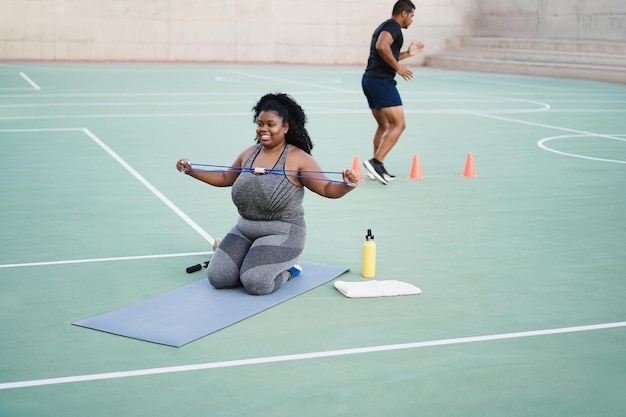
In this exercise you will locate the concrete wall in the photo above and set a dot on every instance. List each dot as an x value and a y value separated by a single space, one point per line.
284 31
552 19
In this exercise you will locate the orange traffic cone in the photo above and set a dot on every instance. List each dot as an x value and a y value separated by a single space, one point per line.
356 165
469 170
416 169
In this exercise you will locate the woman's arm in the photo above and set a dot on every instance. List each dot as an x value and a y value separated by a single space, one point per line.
218 178
311 178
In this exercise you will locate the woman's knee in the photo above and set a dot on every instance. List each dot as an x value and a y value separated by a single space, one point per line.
263 283
223 273
221 282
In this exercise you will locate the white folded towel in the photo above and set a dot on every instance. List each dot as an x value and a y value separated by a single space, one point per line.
374 288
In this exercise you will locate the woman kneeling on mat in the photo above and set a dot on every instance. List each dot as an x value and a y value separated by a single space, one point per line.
262 250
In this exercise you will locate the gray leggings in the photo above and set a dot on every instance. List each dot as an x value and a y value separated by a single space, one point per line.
257 255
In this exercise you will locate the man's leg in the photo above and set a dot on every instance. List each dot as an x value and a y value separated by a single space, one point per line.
391 124
383 125
392 118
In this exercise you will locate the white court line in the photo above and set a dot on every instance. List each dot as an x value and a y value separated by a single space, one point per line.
407 93
220 103
133 172
231 114
583 94
330 101
304 356
198 69
588 111
542 144
15 89
163 94
585 101
31 82
481 113
150 187
90 95
541 107
245 103
126 116
46 129
312 111
510 84
120 258
286 81
524 122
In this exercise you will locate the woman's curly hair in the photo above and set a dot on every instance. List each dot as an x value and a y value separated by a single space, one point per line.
292 113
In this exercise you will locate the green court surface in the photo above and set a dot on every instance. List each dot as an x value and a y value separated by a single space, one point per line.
522 268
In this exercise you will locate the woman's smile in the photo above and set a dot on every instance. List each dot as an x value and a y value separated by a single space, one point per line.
270 126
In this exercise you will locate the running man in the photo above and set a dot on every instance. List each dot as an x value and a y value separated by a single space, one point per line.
379 84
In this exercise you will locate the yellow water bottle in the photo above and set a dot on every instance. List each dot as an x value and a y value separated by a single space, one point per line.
369 255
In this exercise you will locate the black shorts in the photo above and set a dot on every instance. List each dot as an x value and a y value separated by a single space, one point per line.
381 92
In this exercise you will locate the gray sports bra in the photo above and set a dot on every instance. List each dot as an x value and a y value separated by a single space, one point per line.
267 196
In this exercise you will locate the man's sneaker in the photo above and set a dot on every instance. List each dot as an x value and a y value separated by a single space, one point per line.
295 271
386 175
376 169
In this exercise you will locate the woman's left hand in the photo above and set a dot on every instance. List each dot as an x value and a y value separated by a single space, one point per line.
351 177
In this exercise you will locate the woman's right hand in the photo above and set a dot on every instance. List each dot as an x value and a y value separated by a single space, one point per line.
183 165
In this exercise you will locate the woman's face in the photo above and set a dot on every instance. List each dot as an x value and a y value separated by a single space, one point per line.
271 129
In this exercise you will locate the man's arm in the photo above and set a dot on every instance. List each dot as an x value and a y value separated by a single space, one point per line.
383 46
414 49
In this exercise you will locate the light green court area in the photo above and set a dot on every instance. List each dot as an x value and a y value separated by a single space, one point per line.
522 269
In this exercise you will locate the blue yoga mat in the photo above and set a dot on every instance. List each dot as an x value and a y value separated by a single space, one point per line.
185 314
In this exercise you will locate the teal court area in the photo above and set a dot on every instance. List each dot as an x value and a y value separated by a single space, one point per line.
522 269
